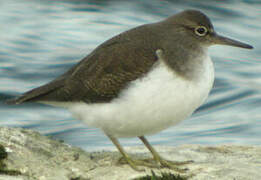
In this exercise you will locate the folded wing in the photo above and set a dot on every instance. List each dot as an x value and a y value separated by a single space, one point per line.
100 76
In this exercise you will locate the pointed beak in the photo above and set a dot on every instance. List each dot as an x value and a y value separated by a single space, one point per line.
218 39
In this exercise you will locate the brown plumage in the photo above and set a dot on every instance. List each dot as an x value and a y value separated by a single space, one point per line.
105 72
101 75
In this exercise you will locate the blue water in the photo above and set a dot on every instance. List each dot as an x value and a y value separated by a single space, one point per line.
39 40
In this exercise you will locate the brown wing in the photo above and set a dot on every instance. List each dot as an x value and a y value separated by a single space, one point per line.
101 75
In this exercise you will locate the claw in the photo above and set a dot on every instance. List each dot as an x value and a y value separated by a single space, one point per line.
174 165
135 163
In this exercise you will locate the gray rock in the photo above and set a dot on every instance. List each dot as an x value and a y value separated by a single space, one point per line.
33 156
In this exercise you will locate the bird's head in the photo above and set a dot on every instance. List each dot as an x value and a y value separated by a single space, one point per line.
198 28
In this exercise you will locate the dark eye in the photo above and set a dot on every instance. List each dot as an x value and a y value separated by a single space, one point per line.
201 30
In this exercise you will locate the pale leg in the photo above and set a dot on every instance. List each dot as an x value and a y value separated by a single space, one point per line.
131 162
160 160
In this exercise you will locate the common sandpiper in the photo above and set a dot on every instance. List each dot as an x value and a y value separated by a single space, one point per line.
141 81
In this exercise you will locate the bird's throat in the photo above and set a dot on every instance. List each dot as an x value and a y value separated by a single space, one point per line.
188 64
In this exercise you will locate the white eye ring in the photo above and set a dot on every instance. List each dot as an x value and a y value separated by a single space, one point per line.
201 30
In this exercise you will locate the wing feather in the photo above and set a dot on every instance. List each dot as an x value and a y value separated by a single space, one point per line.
103 74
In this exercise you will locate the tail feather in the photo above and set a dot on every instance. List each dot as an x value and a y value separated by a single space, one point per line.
35 94
13 101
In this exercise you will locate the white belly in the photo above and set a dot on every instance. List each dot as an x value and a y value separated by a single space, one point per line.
150 104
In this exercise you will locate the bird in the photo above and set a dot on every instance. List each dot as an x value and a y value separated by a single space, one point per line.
140 82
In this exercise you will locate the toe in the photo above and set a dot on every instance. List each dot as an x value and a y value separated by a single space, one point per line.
173 165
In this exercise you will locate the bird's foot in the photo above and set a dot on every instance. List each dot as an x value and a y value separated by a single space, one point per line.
174 165
151 163
136 163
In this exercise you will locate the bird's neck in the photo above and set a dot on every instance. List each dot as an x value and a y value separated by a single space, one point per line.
187 62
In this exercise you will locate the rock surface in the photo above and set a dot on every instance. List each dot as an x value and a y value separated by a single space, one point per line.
27 155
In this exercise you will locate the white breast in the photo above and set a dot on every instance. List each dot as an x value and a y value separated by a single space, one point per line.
150 104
